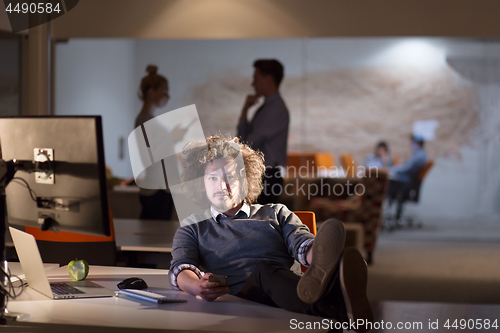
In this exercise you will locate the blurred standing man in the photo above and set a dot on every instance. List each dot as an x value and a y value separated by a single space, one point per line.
268 129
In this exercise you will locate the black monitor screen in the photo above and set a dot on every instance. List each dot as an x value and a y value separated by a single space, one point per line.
73 198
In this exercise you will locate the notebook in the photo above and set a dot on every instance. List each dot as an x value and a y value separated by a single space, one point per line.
32 265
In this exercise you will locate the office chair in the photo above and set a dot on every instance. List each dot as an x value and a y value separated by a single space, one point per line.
409 193
324 160
62 247
299 163
309 219
348 165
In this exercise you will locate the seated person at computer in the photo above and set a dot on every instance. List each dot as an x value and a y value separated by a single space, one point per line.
381 158
402 176
255 245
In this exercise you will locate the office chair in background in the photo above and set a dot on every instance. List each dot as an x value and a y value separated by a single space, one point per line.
309 219
324 160
410 193
348 165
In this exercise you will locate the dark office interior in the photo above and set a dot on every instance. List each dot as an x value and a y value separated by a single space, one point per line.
356 73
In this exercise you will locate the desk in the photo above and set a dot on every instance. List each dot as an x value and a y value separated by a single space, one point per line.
144 235
145 242
141 241
137 235
227 314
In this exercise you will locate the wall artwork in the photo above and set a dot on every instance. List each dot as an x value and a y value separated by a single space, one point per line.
348 111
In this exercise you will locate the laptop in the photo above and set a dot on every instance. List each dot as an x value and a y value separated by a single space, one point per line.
32 265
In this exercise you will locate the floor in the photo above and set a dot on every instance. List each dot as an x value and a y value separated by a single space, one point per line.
445 271
435 317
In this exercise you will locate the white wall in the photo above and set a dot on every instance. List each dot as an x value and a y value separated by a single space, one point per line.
96 77
197 64
216 75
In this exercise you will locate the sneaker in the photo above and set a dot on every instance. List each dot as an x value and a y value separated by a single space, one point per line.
327 249
353 281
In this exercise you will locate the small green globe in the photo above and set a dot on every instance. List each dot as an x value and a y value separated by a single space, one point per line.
78 269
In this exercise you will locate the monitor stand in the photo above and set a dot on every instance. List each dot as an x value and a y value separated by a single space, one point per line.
7 172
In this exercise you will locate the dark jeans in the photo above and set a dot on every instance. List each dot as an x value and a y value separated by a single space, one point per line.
274 284
397 191
273 186
158 206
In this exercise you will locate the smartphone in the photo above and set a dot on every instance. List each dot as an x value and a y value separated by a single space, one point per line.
222 279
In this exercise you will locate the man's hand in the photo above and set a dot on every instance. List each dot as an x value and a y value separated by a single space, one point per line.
210 291
188 281
250 100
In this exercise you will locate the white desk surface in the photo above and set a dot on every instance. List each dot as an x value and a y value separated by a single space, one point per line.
144 235
144 243
227 314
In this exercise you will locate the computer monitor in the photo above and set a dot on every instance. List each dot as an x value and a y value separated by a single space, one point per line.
74 197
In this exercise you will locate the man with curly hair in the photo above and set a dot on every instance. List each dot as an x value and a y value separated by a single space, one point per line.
255 245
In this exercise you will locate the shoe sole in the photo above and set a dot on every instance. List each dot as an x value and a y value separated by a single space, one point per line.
327 250
353 282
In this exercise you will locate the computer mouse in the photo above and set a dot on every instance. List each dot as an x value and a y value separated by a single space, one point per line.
132 283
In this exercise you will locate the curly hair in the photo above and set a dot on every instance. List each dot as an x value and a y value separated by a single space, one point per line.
197 154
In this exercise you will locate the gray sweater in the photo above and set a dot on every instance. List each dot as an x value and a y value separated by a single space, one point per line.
233 247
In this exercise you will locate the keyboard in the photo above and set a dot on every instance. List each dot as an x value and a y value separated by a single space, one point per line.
62 288
150 296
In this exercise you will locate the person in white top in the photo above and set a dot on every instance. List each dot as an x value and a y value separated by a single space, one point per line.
157 204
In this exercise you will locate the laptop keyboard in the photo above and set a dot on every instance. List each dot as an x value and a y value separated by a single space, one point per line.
64 289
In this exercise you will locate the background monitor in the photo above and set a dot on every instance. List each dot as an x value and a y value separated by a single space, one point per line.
74 197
